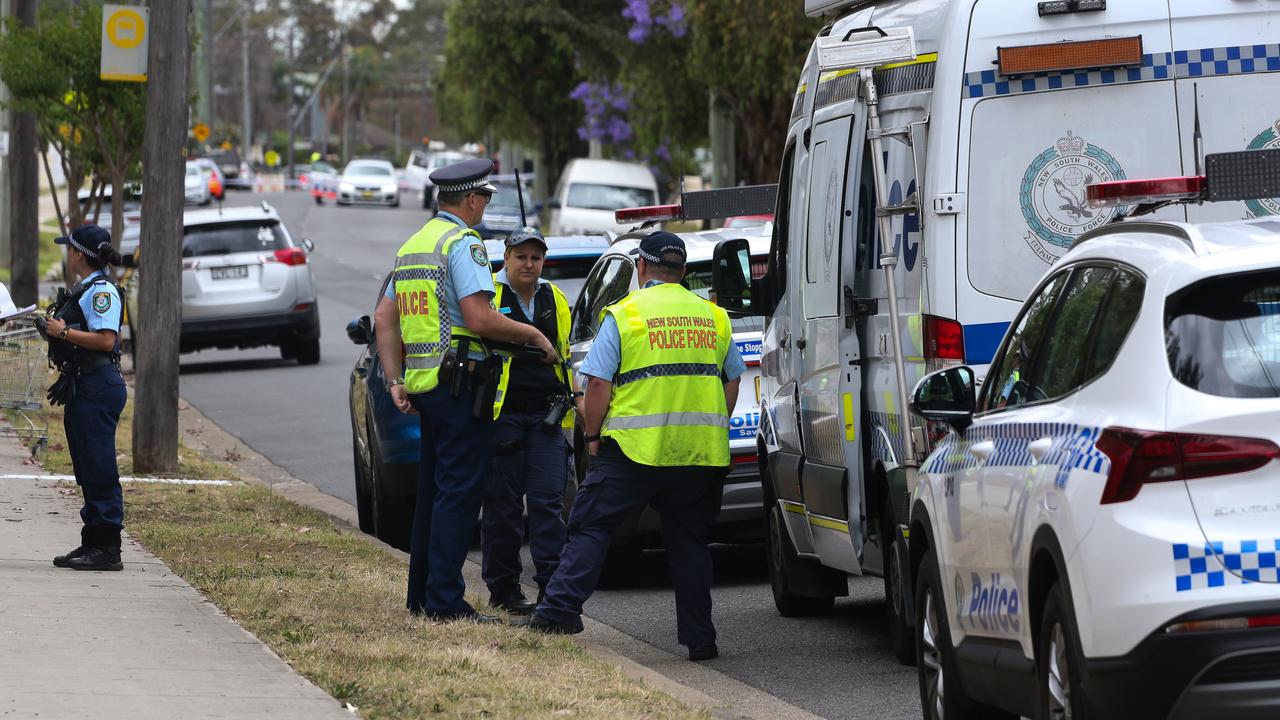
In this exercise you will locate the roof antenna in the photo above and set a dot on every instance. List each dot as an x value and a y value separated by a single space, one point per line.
520 194
1197 140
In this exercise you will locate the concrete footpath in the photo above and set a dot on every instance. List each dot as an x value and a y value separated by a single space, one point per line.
136 644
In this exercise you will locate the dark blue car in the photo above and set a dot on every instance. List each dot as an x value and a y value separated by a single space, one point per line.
385 442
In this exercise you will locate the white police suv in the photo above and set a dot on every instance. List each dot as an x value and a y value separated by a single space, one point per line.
1096 533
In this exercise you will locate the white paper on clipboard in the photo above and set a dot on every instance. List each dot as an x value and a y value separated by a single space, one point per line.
9 311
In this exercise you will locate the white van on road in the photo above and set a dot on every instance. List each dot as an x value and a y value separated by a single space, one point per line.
994 116
589 191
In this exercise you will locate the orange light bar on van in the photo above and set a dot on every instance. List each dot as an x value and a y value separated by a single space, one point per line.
1063 56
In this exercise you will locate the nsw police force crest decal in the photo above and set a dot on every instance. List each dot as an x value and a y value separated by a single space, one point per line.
1052 194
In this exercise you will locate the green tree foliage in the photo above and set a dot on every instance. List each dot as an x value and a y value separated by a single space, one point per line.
96 125
510 72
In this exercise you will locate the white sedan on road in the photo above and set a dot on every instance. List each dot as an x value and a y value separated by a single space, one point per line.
370 182
1098 533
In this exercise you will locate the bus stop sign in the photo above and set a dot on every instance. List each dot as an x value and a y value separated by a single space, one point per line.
124 43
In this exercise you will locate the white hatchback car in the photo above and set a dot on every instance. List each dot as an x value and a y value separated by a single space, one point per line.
1097 533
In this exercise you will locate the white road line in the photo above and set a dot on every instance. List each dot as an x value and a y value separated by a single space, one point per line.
166 481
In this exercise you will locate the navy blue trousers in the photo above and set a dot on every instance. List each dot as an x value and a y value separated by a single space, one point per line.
90 421
687 499
536 468
456 453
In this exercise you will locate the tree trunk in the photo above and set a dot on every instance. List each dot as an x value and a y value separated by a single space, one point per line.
24 196
155 428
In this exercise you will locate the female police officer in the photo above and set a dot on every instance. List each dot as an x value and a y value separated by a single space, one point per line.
84 344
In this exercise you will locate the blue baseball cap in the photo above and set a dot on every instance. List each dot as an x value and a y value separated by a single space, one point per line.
86 238
655 245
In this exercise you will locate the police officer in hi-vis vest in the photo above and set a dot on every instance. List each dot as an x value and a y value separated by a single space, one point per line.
662 374
436 310
531 456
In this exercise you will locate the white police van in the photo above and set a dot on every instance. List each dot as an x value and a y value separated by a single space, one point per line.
991 118
1097 535
611 279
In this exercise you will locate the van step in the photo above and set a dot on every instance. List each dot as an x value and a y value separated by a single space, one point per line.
908 206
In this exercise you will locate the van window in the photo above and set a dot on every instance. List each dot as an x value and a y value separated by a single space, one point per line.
776 274
1006 386
824 229
591 196
1060 362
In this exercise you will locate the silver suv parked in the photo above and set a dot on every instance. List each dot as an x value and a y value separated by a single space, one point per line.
246 283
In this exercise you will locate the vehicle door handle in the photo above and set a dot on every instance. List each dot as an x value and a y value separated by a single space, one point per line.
982 450
785 340
1040 448
799 343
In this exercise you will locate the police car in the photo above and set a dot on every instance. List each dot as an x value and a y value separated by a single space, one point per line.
609 281
1096 534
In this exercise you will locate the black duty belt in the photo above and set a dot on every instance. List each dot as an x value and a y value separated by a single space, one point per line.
93 361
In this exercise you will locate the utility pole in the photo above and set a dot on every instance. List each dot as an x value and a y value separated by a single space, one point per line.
290 110
24 192
246 103
5 121
155 428
204 48
346 100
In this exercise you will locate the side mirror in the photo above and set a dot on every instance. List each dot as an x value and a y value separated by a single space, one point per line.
946 396
553 203
360 330
308 245
731 277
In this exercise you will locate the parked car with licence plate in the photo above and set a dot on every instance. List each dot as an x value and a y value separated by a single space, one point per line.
1096 534
610 280
371 182
385 442
418 169
213 174
245 283
502 214
196 186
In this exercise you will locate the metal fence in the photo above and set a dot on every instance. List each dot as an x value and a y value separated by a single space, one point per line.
23 374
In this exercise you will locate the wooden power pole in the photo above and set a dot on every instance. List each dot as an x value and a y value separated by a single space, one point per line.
24 192
155 425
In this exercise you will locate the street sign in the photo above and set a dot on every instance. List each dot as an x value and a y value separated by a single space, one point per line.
272 157
124 43
201 131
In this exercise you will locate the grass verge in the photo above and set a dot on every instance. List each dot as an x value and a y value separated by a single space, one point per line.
332 605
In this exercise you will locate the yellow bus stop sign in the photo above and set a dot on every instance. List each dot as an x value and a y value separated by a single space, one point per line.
272 157
201 131
124 43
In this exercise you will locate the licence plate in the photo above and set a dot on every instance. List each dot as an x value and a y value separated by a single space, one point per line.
229 273
367 194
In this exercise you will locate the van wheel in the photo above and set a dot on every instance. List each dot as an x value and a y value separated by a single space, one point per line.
783 561
308 352
896 587
1059 662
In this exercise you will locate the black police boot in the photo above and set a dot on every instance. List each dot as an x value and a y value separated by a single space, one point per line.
98 557
703 652
534 621
64 560
513 602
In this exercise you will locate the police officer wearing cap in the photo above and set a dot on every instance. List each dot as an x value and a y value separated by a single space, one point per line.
436 310
84 345
662 374
534 407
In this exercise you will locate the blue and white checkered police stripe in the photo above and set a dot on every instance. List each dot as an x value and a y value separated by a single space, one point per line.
667 370
1205 62
1218 564
1073 448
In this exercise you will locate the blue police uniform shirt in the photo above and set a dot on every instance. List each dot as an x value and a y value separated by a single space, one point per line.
605 356
466 276
529 309
100 304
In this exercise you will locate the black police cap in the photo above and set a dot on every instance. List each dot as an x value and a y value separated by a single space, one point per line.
655 245
464 176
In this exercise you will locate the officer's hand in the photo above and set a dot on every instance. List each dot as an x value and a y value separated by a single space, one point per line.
400 397
549 354
593 447
54 326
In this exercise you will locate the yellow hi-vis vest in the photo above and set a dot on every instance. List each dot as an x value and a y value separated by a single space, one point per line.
563 320
668 406
422 269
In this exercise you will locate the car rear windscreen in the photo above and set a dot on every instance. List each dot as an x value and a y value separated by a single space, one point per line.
229 238
1222 336
608 197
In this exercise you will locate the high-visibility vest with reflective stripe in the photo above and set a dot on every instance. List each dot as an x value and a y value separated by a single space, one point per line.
422 269
563 320
668 406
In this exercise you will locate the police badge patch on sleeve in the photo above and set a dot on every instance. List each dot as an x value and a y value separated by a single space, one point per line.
478 254
101 302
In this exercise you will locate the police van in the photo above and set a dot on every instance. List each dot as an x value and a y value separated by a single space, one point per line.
935 166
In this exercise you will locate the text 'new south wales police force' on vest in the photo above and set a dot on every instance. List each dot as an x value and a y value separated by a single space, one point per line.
683 332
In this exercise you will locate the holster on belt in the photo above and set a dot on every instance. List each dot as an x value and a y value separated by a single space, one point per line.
484 381
458 363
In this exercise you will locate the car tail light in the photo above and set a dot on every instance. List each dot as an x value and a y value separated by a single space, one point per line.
746 459
301 307
1235 623
190 264
943 339
288 256
1139 457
